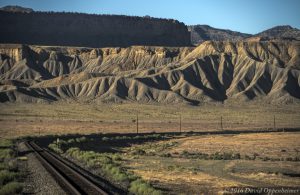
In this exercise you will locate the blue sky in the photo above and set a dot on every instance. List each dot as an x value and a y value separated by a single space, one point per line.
249 16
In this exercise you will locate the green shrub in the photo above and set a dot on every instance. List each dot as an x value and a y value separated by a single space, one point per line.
120 176
247 157
237 156
185 153
216 156
73 152
3 166
6 153
5 143
266 158
105 139
296 158
81 139
104 159
55 148
116 157
227 156
255 154
126 137
170 144
139 151
85 156
203 156
71 141
171 168
167 155
12 165
275 159
115 172
140 187
137 137
158 136
7 176
62 143
11 188
107 163
153 136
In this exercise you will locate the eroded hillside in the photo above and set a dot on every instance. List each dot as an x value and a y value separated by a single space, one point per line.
211 72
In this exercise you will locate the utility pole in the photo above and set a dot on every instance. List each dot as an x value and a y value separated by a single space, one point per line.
137 124
180 123
274 123
221 123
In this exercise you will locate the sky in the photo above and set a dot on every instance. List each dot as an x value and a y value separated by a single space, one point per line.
248 16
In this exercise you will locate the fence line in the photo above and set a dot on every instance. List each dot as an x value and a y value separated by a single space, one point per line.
223 123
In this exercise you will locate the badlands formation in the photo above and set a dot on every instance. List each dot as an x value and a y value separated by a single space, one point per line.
212 72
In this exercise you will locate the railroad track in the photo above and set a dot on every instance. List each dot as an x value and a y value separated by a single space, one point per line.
70 179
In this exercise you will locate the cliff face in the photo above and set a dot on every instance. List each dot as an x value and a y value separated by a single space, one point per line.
266 71
71 29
